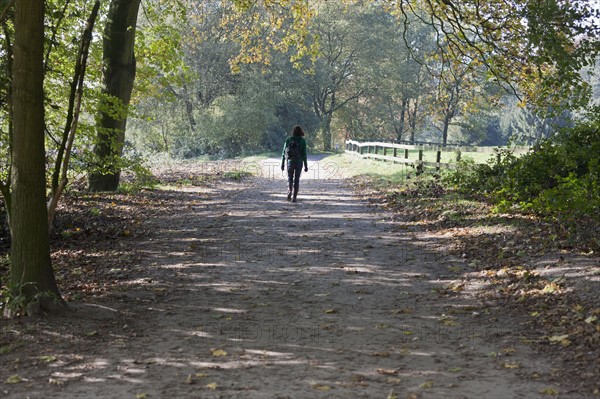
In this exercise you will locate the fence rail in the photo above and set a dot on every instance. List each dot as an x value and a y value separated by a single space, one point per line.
400 153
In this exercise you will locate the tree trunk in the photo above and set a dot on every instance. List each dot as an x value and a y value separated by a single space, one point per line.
5 185
413 120
447 119
31 268
400 130
118 75
326 131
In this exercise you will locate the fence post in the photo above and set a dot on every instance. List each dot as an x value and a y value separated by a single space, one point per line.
438 158
420 154
458 155
384 151
395 152
406 153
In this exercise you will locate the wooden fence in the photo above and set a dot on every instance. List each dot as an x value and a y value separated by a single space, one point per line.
401 153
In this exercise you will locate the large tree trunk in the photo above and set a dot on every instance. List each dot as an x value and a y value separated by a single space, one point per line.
118 76
31 269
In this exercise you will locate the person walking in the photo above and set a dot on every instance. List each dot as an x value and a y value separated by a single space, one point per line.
294 151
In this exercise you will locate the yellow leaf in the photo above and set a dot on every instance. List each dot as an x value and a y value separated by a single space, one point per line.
558 338
189 379
455 369
54 381
321 387
509 350
141 396
382 326
392 395
219 353
212 385
330 311
408 333
426 385
512 365
47 359
449 322
550 288
13 379
591 319
549 391
393 380
387 371
200 375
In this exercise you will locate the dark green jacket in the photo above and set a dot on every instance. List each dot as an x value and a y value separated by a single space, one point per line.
302 143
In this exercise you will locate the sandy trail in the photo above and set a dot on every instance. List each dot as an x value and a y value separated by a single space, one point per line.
244 295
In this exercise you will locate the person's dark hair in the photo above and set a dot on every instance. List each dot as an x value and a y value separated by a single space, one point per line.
298 131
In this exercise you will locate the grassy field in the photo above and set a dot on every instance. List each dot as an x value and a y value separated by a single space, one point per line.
347 166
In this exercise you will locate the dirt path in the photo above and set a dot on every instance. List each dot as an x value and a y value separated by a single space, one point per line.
243 295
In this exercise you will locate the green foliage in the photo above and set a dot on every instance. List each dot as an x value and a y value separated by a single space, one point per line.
559 178
16 301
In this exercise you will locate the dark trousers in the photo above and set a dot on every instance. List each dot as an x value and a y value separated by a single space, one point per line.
294 170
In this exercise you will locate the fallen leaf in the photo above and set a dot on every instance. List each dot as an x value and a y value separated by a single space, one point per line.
393 380
426 385
200 375
189 379
13 379
330 311
455 369
591 319
212 385
449 322
219 353
560 338
321 387
47 358
382 326
549 391
54 381
387 371
550 288
512 365
392 395
141 396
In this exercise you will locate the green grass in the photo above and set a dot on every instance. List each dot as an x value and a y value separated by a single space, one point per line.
351 166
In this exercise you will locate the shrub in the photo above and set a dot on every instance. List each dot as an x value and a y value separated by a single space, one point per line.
559 177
